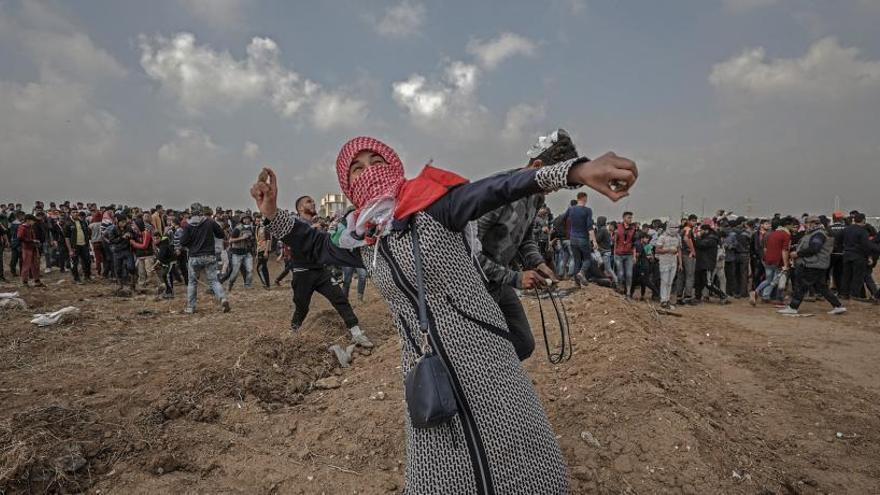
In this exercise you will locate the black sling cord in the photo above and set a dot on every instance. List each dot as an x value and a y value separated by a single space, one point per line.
565 347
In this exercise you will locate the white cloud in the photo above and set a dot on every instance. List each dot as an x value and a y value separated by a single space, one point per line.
454 93
402 20
521 118
202 78
827 70
746 5
190 148
420 100
492 52
219 13
251 150
449 104
338 110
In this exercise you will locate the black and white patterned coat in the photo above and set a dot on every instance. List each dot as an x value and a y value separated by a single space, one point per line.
501 441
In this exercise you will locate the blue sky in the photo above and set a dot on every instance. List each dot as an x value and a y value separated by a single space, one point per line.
773 103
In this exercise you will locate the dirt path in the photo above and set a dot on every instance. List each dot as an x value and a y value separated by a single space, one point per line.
135 397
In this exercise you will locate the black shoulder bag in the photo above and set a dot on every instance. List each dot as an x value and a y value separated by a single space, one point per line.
429 395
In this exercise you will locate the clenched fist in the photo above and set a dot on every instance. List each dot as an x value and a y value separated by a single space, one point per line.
609 174
265 193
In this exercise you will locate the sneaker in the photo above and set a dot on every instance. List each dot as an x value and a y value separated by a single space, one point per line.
188 310
581 279
664 304
360 338
294 328
788 310
753 298
837 311
225 305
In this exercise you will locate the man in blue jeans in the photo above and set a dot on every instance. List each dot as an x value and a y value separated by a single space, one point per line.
348 273
624 252
198 237
579 219
241 243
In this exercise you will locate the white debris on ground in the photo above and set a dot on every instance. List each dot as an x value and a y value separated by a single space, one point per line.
46 319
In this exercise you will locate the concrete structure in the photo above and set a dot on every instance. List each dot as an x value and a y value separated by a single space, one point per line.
333 203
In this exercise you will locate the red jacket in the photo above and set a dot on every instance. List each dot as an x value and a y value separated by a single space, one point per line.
26 236
625 239
145 247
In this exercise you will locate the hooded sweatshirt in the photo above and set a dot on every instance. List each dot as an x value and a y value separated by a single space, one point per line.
199 234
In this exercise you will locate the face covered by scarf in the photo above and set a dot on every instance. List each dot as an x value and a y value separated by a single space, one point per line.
382 193
374 182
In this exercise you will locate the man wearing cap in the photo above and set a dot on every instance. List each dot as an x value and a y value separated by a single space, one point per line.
505 235
812 259
198 237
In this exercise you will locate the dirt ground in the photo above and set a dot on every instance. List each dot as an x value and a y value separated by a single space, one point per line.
136 397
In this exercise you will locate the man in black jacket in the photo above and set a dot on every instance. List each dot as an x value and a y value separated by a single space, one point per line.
118 238
309 277
706 244
857 247
77 236
198 237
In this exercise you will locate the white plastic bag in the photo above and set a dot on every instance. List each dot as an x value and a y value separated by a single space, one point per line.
46 319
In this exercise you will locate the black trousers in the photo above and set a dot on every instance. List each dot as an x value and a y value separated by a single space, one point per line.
263 268
167 274
737 277
515 316
855 268
123 267
308 282
81 256
703 279
109 264
2 266
182 266
836 270
288 266
812 278
15 261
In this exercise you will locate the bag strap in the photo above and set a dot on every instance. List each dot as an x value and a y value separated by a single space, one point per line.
420 286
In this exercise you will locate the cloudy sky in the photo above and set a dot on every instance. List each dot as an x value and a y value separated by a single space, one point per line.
767 104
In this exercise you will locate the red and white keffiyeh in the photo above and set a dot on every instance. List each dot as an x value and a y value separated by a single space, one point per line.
375 181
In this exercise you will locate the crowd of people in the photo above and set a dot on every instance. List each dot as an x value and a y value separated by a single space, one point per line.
684 262
780 260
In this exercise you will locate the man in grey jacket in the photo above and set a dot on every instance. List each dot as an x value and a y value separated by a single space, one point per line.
506 237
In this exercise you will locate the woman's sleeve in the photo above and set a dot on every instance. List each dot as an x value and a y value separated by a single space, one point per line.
313 242
472 200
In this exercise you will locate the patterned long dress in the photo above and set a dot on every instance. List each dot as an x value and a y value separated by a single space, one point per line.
501 442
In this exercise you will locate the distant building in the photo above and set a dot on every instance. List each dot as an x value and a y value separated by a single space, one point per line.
332 204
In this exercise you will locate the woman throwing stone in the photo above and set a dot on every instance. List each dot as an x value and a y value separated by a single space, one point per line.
500 441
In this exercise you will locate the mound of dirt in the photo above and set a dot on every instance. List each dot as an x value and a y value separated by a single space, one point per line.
58 449
144 399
